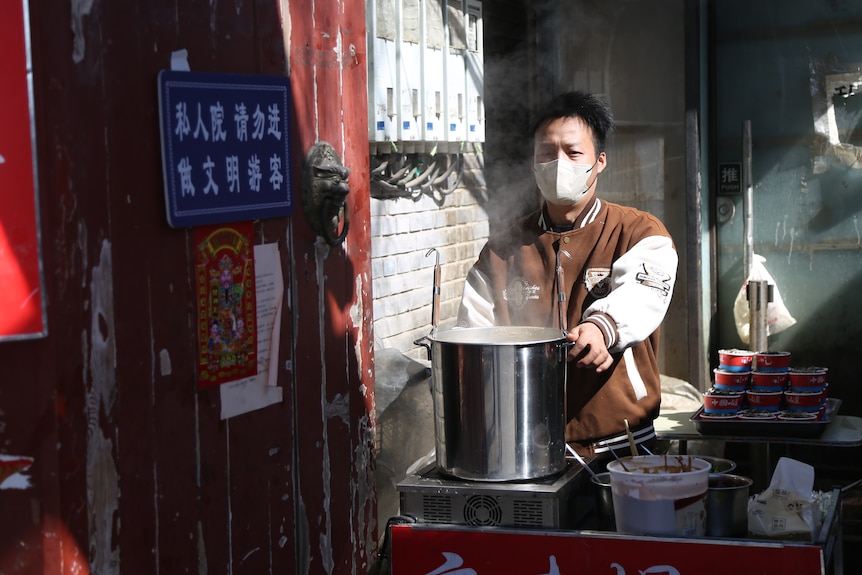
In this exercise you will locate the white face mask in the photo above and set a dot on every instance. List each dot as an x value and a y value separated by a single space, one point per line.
562 181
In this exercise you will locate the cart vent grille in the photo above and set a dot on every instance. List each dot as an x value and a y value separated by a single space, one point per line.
482 510
437 508
528 513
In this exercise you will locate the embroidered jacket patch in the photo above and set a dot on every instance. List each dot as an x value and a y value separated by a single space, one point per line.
519 291
598 281
655 278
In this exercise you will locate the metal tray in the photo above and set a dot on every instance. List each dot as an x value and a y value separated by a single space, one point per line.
732 427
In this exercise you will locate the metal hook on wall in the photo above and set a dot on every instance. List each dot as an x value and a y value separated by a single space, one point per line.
324 193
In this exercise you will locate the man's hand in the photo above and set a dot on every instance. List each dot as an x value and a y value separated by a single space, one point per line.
589 349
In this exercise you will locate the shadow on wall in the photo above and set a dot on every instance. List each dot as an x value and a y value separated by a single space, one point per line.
405 423
836 348
825 336
842 200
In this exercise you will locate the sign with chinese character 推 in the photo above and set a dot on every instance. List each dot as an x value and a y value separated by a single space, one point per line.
730 178
225 147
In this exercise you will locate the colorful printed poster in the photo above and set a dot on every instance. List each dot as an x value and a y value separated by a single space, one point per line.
227 317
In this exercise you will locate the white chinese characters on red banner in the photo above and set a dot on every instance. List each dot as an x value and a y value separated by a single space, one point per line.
440 550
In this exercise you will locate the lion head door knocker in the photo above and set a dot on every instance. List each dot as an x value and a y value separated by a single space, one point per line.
324 193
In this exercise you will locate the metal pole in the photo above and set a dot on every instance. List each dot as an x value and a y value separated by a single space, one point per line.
748 255
759 295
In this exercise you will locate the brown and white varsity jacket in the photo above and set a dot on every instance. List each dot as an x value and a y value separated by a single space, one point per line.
619 268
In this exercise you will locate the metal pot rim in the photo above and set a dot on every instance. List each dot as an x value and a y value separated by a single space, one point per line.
499 335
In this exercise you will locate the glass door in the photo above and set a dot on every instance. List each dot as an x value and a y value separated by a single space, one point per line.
792 70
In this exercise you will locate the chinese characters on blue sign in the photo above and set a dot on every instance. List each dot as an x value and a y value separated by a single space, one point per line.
225 147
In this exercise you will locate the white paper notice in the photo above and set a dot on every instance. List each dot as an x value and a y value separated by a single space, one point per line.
180 61
261 390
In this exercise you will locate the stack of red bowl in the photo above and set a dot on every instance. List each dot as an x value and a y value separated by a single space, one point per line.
768 381
807 390
734 370
763 383
716 402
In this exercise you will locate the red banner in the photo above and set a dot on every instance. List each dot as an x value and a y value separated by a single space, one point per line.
442 550
22 313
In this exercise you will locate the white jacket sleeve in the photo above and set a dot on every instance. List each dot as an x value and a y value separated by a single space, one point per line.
477 306
642 283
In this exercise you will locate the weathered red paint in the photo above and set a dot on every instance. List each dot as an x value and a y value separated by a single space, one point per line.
334 474
109 398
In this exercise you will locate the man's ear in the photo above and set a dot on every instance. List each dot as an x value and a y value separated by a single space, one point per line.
601 162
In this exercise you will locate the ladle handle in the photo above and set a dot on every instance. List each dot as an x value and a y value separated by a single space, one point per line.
561 286
435 303
580 460
632 445
561 296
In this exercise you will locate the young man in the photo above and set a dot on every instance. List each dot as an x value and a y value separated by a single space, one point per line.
618 271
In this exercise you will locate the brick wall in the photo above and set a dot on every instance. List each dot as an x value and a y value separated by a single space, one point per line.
403 230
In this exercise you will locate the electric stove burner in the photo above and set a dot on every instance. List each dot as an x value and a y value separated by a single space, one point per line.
433 497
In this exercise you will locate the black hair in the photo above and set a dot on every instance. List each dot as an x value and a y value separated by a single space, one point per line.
591 108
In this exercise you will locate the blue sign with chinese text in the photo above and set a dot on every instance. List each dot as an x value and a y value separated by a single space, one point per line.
225 147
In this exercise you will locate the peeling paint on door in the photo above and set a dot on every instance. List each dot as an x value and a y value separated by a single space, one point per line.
80 8
103 490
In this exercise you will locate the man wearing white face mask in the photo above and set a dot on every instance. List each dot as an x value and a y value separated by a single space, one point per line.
617 268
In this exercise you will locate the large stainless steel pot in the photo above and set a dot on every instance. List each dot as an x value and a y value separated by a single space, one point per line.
499 402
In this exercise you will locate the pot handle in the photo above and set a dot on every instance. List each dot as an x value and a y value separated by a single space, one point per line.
424 342
565 345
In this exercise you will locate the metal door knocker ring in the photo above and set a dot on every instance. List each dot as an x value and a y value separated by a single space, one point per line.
324 193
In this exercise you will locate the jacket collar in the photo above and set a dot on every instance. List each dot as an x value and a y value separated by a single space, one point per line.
587 216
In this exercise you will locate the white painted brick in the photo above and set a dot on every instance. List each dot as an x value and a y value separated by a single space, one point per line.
403 230
420 300
449 313
379 247
403 224
391 308
377 306
428 239
403 243
382 330
387 226
396 206
382 289
406 262
405 282
427 220
390 265
378 207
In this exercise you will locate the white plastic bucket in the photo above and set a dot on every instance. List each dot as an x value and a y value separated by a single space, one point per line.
660 494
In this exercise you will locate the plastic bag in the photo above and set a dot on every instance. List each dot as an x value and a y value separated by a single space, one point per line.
788 508
778 318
